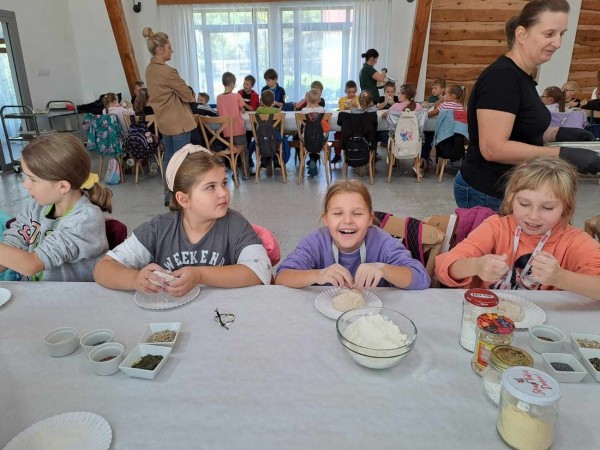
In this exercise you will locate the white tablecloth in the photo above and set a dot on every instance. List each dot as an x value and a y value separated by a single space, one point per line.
277 379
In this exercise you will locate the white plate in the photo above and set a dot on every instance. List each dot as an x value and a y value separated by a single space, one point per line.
532 313
69 431
323 302
5 295
162 300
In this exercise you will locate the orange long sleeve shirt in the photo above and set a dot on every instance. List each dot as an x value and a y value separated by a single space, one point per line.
574 249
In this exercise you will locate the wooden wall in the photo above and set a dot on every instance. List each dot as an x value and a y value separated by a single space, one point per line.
465 37
585 63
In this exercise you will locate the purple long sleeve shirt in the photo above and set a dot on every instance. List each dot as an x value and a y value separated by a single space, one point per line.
315 252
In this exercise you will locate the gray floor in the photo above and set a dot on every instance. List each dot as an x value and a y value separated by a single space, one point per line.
292 211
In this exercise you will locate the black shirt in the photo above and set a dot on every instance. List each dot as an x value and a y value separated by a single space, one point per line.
502 86
382 99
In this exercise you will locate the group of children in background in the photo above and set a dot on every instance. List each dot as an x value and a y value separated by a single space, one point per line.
60 235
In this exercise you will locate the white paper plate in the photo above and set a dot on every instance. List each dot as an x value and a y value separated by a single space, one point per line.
532 313
70 431
5 295
162 300
323 302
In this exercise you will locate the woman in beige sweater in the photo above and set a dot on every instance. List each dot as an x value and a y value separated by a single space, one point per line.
169 97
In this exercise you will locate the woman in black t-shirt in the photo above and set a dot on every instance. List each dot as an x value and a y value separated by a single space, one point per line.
508 122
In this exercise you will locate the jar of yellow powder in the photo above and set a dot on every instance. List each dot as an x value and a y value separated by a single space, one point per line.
528 408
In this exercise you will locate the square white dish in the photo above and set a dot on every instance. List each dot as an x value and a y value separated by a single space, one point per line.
586 354
561 376
137 353
590 337
155 327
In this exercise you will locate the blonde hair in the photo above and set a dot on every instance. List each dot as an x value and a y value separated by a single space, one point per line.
313 96
190 173
347 186
560 175
62 157
154 40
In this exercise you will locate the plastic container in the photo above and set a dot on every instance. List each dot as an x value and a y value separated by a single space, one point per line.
502 358
476 302
528 408
492 330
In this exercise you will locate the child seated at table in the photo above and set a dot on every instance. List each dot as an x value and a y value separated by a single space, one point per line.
438 89
270 77
314 85
531 243
389 97
453 99
201 241
406 97
248 93
313 99
267 98
202 106
554 99
346 103
349 250
111 106
60 233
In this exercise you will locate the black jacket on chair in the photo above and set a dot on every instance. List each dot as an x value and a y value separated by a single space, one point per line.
365 123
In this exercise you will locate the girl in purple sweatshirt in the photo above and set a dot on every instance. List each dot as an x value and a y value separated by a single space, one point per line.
349 251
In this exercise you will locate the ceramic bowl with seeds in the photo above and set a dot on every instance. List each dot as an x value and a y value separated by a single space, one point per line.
161 333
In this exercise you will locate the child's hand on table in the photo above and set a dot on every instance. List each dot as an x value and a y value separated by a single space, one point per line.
148 282
336 275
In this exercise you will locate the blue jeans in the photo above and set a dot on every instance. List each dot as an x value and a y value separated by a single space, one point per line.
468 197
172 144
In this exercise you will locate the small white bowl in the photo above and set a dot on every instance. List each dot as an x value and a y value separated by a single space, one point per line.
94 338
62 341
156 327
540 345
137 353
114 349
563 376
586 355
590 337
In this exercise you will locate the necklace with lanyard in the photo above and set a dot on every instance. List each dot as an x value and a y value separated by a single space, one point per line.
538 248
336 252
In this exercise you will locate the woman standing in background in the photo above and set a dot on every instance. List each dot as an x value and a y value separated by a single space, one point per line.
169 97
368 75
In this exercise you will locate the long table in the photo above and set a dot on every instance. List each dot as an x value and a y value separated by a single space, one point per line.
278 378
289 123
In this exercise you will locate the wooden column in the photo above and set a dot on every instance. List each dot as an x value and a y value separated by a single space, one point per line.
116 15
417 46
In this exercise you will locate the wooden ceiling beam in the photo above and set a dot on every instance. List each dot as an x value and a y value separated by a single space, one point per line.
417 46
116 15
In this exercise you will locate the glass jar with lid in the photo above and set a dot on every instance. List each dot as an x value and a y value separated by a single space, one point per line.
492 330
476 302
502 357
528 408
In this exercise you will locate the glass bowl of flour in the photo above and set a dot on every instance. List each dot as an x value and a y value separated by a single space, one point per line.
375 337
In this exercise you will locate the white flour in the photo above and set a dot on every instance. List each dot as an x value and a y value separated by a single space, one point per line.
375 332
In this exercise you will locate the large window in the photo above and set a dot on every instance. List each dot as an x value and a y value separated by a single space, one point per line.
303 43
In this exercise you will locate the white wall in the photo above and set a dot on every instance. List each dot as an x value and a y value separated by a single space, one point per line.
48 46
72 42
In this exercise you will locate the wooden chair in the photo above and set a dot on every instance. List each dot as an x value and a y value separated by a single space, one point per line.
592 227
300 124
392 119
278 120
432 240
150 124
446 223
212 131
367 134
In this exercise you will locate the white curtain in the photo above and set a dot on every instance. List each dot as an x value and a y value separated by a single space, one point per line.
372 19
178 22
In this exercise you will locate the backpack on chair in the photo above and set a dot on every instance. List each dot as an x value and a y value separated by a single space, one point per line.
265 135
139 142
407 136
358 148
314 137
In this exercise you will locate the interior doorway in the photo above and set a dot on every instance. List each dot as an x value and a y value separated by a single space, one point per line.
14 89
